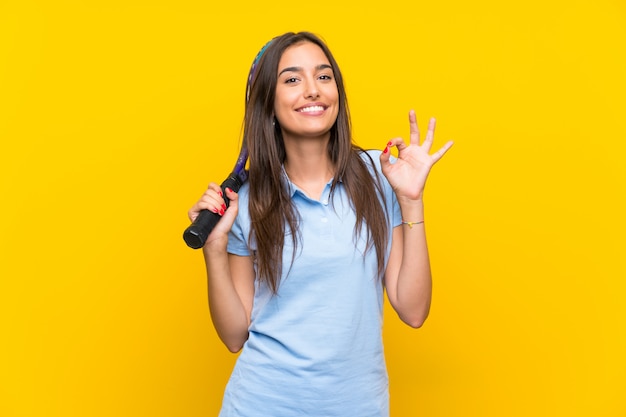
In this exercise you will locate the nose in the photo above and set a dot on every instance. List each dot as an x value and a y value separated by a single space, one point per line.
311 91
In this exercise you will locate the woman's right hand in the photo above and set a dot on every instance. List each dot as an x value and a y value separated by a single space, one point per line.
213 200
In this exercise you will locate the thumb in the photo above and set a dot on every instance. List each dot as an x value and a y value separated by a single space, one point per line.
233 206
228 218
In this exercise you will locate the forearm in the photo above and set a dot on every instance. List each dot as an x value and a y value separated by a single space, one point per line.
407 278
414 284
228 313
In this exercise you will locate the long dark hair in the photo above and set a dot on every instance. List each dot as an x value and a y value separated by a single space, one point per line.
272 213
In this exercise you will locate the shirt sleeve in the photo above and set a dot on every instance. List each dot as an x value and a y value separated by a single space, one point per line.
238 235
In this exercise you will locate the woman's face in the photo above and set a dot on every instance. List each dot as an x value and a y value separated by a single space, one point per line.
307 101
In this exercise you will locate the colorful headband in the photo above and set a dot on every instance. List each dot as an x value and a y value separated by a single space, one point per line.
253 69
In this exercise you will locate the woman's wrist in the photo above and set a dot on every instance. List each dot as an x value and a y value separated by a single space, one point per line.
411 224
412 210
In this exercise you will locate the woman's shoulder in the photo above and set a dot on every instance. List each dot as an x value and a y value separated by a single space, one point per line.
372 153
243 194
371 157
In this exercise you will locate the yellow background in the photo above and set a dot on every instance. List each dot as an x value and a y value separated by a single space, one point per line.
114 115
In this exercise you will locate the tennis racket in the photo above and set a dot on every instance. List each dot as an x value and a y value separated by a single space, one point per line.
197 233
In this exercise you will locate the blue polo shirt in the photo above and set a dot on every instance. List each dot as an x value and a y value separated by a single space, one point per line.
315 348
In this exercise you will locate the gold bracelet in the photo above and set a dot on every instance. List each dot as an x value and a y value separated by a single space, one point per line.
412 223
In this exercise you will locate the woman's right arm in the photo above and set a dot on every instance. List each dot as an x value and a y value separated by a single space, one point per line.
230 277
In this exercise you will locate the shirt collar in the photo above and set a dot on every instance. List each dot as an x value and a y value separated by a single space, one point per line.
293 187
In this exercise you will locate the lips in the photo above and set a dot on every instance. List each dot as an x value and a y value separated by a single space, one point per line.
312 108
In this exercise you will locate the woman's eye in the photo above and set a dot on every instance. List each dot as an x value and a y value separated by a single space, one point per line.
326 77
291 80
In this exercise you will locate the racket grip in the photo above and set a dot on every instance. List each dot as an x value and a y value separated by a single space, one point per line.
197 233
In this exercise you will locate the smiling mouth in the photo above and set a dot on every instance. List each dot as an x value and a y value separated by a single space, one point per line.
311 109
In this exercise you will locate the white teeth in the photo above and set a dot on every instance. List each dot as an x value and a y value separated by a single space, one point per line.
311 109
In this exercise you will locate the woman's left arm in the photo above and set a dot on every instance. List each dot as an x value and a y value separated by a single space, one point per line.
407 277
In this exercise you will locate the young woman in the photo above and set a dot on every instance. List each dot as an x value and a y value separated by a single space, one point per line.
299 262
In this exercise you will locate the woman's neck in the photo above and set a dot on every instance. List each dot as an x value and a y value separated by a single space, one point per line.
308 166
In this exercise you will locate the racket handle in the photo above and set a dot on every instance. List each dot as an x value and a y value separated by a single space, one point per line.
197 233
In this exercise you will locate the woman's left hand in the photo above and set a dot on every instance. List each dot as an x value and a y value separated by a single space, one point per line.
407 175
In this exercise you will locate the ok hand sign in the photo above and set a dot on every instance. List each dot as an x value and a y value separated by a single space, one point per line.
407 175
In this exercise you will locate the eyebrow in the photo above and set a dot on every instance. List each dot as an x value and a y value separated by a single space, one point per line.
300 69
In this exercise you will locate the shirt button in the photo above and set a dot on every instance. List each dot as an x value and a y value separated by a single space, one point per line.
325 202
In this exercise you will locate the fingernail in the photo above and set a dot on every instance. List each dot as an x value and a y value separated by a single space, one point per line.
228 189
221 212
220 193
385 150
214 210
389 143
223 206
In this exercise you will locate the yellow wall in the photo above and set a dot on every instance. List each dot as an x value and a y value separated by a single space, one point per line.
114 115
